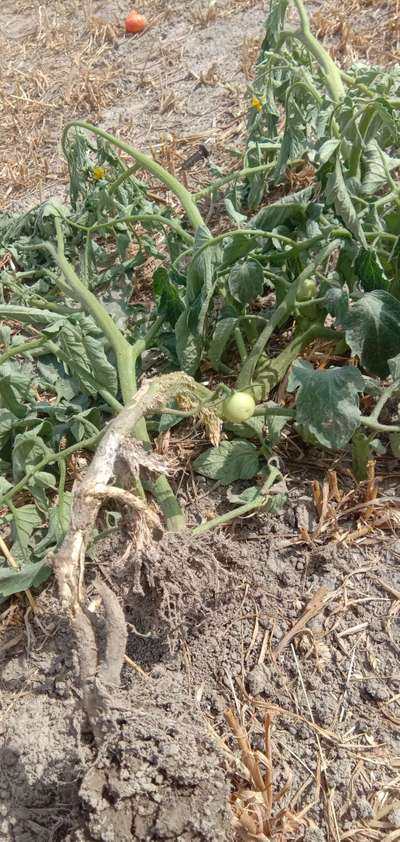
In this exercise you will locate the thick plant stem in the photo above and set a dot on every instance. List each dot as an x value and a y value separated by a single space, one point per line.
126 356
120 346
332 73
146 163
280 315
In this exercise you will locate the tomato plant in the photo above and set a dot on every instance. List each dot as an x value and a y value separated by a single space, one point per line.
318 263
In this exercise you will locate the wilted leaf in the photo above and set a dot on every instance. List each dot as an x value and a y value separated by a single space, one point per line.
7 423
235 248
169 301
338 196
291 209
327 405
373 330
86 358
15 388
374 174
327 150
235 215
337 303
25 520
222 335
370 270
231 461
59 517
30 575
394 367
201 277
189 345
246 281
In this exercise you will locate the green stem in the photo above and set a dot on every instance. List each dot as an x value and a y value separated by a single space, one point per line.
271 411
385 396
280 315
126 356
352 81
332 73
233 176
369 421
255 232
123 177
393 196
240 344
228 516
112 402
120 346
275 371
23 348
185 198
155 219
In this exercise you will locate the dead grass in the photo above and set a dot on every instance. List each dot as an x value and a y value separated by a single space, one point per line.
56 63
60 61
257 808
360 29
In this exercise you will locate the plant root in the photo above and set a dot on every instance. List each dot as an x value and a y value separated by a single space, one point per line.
117 455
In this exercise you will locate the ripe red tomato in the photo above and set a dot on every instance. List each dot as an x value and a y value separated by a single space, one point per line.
135 22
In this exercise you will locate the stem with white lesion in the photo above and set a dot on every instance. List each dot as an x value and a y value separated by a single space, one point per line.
113 451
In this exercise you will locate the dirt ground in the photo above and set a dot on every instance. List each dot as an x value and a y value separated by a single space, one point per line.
253 619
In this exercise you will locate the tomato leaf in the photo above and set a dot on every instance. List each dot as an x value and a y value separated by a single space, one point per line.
30 575
170 304
201 279
338 196
232 460
25 520
370 270
7 422
373 330
291 209
246 281
59 518
222 335
394 367
375 164
327 404
86 358
235 248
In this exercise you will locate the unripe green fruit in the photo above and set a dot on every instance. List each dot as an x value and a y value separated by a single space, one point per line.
238 407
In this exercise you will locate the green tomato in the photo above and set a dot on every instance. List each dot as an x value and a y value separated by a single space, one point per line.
307 290
238 407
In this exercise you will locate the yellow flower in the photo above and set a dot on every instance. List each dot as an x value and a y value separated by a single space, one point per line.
256 103
98 173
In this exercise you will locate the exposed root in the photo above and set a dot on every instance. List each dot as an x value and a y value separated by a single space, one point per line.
117 455
109 671
115 450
